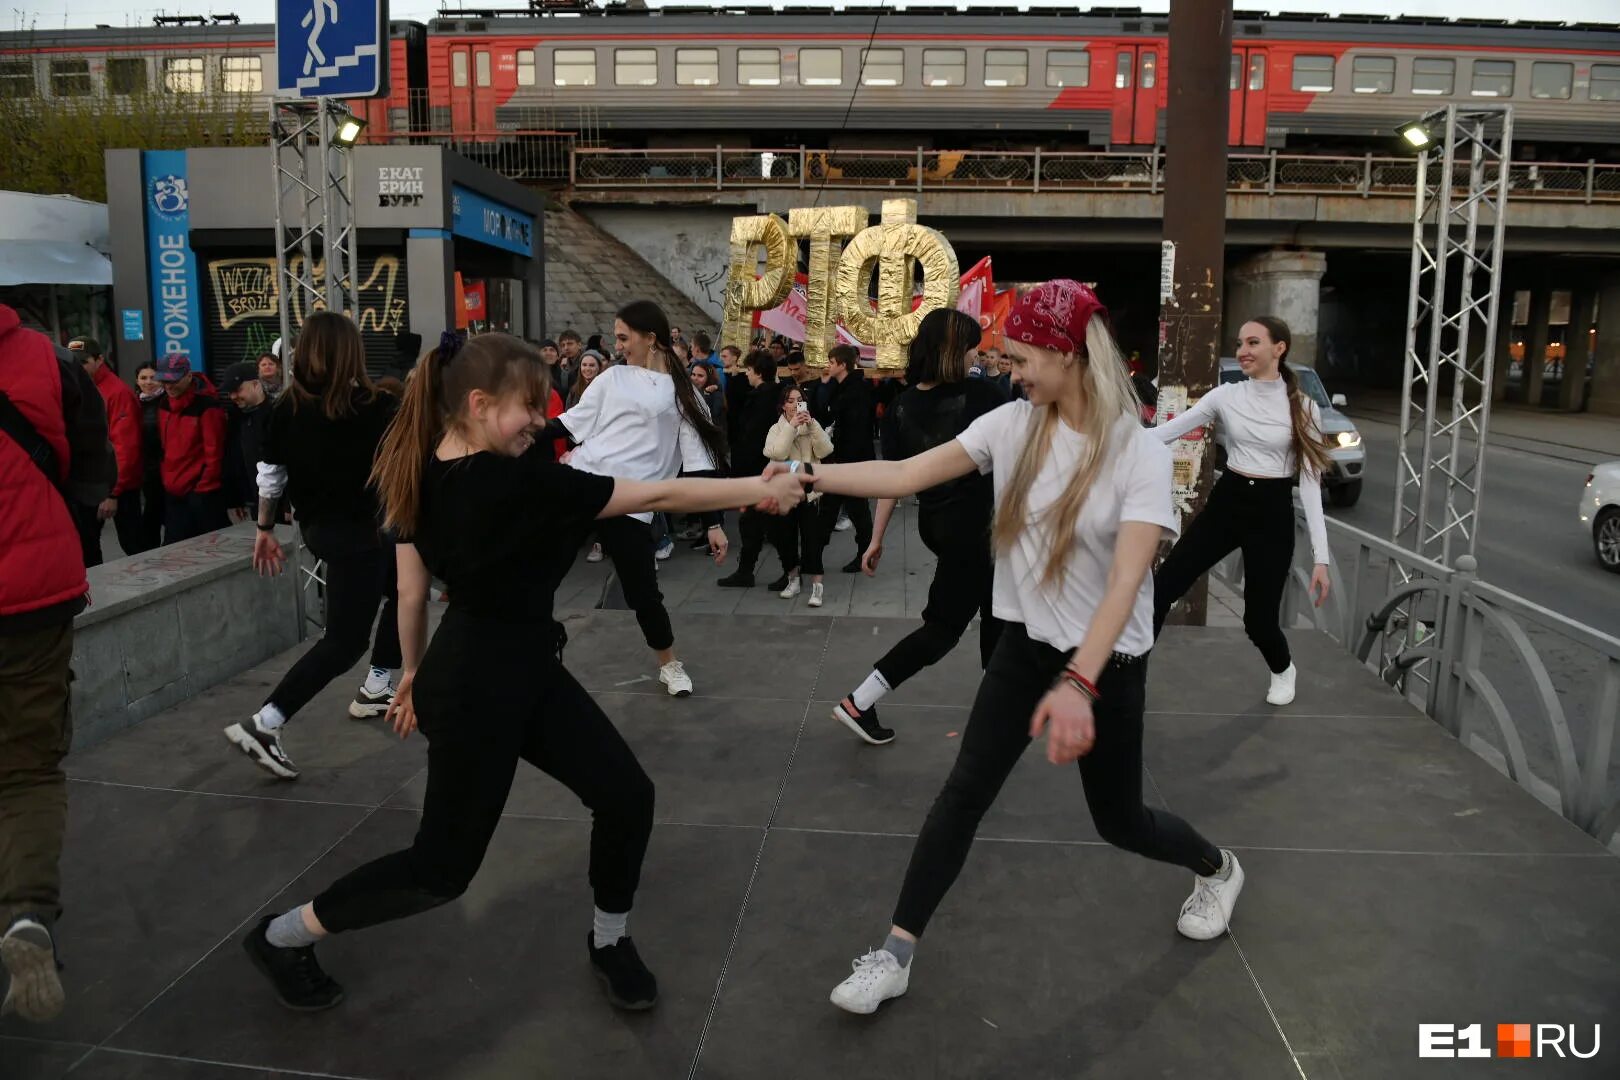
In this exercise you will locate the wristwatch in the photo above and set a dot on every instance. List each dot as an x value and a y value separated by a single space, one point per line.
265 528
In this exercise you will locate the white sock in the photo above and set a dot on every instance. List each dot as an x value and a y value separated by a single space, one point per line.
870 692
377 680
607 928
270 718
1226 866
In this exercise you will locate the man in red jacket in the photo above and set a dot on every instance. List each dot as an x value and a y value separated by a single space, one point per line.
192 430
123 505
53 451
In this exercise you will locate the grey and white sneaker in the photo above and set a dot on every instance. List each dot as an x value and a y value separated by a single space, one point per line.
29 956
263 746
791 590
675 679
878 977
1207 913
367 704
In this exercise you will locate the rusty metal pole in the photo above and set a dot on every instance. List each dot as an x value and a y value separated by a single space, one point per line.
1194 248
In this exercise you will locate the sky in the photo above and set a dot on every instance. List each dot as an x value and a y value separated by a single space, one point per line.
55 14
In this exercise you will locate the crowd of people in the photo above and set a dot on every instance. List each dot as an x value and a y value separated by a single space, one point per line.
497 462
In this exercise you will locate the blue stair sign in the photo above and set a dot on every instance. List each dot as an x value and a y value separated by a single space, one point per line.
331 48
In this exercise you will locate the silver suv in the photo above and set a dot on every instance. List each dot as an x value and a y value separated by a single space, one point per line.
1343 483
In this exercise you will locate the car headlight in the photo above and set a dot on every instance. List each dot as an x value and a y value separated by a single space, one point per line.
1348 439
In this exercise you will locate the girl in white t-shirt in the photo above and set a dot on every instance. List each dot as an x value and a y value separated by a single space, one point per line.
642 420
1082 501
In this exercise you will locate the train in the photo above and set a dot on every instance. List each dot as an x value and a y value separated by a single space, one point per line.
984 77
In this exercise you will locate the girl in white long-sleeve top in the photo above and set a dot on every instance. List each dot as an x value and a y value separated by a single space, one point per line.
1273 434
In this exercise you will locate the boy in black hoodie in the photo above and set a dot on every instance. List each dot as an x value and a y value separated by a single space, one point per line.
753 420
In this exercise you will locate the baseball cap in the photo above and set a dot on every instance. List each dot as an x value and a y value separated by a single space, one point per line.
234 376
172 368
85 346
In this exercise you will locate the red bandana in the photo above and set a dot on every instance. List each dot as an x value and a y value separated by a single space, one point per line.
1054 314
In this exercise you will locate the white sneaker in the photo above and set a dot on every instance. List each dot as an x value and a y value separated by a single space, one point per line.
815 595
792 589
1208 911
596 553
664 550
878 977
674 677
843 523
1282 687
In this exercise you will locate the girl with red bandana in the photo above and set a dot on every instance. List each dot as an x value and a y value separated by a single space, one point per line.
1082 495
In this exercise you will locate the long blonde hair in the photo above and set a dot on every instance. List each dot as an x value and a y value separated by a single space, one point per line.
1108 398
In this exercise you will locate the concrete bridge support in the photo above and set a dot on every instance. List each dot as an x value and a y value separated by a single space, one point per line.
1287 284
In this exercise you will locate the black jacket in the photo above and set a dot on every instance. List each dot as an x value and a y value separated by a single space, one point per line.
847 413
152 439
244 445
754 419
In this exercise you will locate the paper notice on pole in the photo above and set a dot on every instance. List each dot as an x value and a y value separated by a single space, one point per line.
1167 270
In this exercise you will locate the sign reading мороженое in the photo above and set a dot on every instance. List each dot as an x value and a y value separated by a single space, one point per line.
478 217
401 185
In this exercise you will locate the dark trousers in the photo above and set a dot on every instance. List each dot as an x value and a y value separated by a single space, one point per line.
36 730
129 523
754 528
860 516
186 516
88 524
1019 675
963 577
153 506
800 540
472 757
355 585
629 543
1258 517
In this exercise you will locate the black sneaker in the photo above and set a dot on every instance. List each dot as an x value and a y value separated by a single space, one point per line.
625 979
779 584
28 953
264 747
737 579
295 973
853 566
865 724
700 544
366 704
691 532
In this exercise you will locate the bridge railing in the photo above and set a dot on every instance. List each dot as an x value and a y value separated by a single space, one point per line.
923 169
1535 693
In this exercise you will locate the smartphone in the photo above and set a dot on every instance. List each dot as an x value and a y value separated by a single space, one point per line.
803 408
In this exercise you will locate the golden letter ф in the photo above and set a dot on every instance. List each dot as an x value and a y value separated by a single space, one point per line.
896 246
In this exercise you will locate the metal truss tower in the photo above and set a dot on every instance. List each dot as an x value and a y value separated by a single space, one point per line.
315 235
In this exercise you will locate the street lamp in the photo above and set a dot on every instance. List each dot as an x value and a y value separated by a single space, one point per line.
347 129
1415 135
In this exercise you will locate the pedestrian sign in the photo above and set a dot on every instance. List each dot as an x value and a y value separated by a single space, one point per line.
331 48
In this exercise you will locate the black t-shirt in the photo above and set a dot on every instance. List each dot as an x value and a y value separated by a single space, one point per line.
501 532
920 420
329 461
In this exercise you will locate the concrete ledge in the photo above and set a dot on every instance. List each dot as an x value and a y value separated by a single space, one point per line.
164 626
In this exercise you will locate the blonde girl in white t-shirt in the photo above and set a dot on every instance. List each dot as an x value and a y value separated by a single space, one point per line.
1082 502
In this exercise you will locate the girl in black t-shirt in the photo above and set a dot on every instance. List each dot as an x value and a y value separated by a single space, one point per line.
474 506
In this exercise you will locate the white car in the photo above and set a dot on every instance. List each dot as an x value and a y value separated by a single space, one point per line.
1600 513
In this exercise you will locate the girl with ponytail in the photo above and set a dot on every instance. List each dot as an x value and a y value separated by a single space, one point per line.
477 507
643 420
1082 499
1273 435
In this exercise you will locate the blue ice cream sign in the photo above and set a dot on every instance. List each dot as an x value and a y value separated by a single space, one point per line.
176 302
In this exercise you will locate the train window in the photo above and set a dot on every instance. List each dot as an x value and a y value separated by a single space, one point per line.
1236 71
1006 67
944 67
458 68
635 67
1551 80
1493 78
1150 70
821 67
697 67
481 67
17 79
1313 74
183 74
1605 82
1373 74
1068 67
126 75
883 67
1124 66
525 67
1257 71
70 78
759 67
573 67
1432 75
240 75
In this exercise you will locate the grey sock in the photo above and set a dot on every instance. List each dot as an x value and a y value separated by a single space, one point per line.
901 948
608 927
287 931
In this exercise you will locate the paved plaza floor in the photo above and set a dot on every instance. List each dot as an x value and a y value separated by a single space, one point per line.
1393 879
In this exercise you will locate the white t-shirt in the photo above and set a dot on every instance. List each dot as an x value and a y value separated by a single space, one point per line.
1258 428
627 425
1133 485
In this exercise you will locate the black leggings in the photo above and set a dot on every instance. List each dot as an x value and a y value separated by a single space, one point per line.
472 757
754 528
1257 516
355 585
629 543
800 539
1019 675
960 590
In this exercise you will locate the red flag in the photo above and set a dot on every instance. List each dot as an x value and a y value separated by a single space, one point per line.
476 300
978 285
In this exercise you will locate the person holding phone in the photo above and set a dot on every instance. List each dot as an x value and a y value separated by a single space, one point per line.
798 438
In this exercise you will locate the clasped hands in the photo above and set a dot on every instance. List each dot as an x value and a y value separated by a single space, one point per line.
787 488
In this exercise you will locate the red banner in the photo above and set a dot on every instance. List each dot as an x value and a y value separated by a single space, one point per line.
476 300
